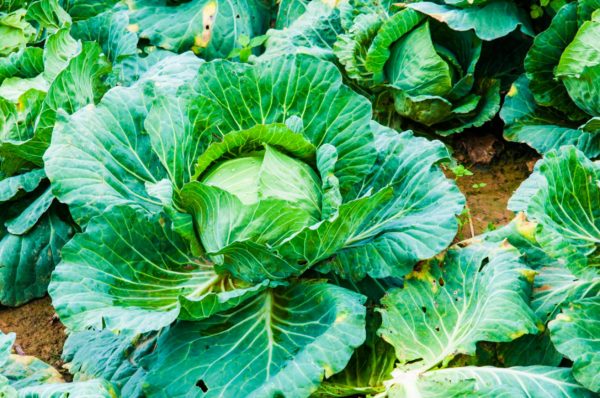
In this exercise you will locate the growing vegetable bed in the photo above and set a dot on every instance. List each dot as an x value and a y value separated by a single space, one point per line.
201 198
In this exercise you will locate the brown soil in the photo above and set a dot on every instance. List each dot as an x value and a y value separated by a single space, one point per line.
498 169
487 204
39 333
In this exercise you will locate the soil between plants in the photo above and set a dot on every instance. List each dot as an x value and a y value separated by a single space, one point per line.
487 204
40 333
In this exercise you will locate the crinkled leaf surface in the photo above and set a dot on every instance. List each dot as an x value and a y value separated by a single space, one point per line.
576 334
114 357
281 342
567 206
447 306
416 224
149 278
101 155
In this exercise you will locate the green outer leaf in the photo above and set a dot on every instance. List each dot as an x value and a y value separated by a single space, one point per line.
87 389
579 67
555 286
576 334
18 122
15 32
210 27
100 156
131 271
371 364
81 83
543 57
420 220
26 63
445 308
257 349
113 357
59 49
314 33
30 215
530 350
490 21
174 127
24 371
294 86
111 30
568 207
84 9
48 14
541 128
12 5
290 10
26 261
6 343
531 382
77 85
12 187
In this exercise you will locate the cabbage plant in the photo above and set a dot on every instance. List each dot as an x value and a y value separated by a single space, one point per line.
425 65
550 250
218 199
563 224
556 102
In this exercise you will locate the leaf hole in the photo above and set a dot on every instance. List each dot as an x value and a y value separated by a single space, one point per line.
441 281
202 385
424 309
437 328
485 262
